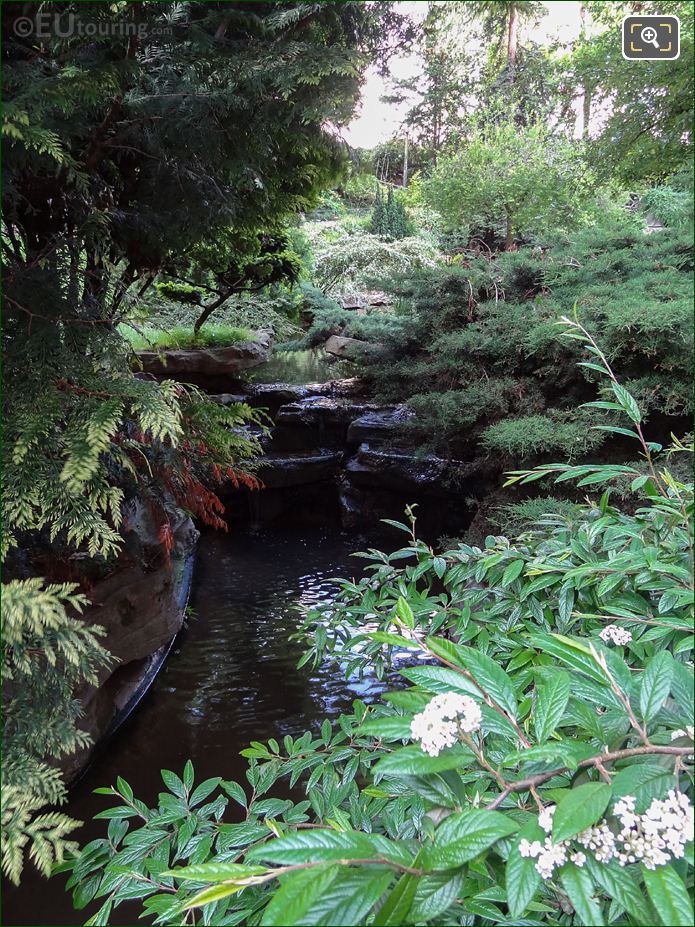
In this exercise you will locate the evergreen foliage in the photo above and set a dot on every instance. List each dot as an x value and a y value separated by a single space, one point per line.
389 219
46 652
474 343
179 147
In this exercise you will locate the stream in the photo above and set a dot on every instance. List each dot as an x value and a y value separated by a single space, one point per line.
230 678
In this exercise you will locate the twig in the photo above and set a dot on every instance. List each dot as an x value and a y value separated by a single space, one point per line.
523 785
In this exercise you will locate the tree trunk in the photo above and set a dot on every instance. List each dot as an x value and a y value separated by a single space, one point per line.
405 163
586 112
586 92
512 40
208 310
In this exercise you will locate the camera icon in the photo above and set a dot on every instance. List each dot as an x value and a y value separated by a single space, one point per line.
651 38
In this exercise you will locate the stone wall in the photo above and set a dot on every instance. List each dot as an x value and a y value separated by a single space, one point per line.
141 608
332 436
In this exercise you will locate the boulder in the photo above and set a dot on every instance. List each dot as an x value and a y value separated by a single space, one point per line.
141 610
283 470
340 346
400 469
323 411
274 395
227 399
199 363
378 425
316 421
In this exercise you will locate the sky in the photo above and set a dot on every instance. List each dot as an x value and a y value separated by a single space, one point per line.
376 122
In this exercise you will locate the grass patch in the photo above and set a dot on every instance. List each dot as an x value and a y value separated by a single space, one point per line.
180 336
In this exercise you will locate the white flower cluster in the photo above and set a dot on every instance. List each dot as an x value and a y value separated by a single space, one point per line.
612 634
548 855
688 732
441 721
651 838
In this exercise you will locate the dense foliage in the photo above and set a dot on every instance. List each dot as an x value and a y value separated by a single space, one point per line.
110 184
537 768
470 346
515 180
183 182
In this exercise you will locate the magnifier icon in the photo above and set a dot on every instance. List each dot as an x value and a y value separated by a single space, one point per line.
648 36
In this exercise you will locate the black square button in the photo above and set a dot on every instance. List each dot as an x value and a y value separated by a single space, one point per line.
651 38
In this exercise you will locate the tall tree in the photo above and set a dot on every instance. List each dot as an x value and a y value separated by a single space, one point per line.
646 132
438 92
164 134
503 18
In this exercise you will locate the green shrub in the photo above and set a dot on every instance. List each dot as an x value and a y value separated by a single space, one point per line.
493 318
359 191
212 335
541 744
535 435
668 205
179 292
389 219
515 517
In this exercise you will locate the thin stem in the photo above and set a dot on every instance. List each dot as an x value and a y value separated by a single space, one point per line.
530 782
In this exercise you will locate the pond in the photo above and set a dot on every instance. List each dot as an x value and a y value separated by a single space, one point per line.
312 365
230 679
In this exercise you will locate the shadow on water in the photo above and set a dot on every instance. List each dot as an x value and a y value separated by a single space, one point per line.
231 678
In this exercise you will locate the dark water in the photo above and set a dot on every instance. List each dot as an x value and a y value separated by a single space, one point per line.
299 367
231 679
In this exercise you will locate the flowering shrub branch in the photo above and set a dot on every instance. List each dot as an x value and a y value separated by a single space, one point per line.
540 761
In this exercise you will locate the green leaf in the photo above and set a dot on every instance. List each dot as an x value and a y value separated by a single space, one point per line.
627 402
413 761
440 679
656 684
203 790
669 894
487 674
405 612
579 887
461 837
214 893
188 775
387 728
349 898
573 654
215 872
393 640
644 781
512 572
235 791
618 882
579 809
435 894
295 896
521 876
173 783
552 697
319 846
121 811
396 907
124 789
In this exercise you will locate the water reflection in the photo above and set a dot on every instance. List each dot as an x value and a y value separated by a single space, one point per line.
231 679
312 365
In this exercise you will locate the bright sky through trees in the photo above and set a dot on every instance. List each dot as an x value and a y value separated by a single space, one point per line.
378 121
